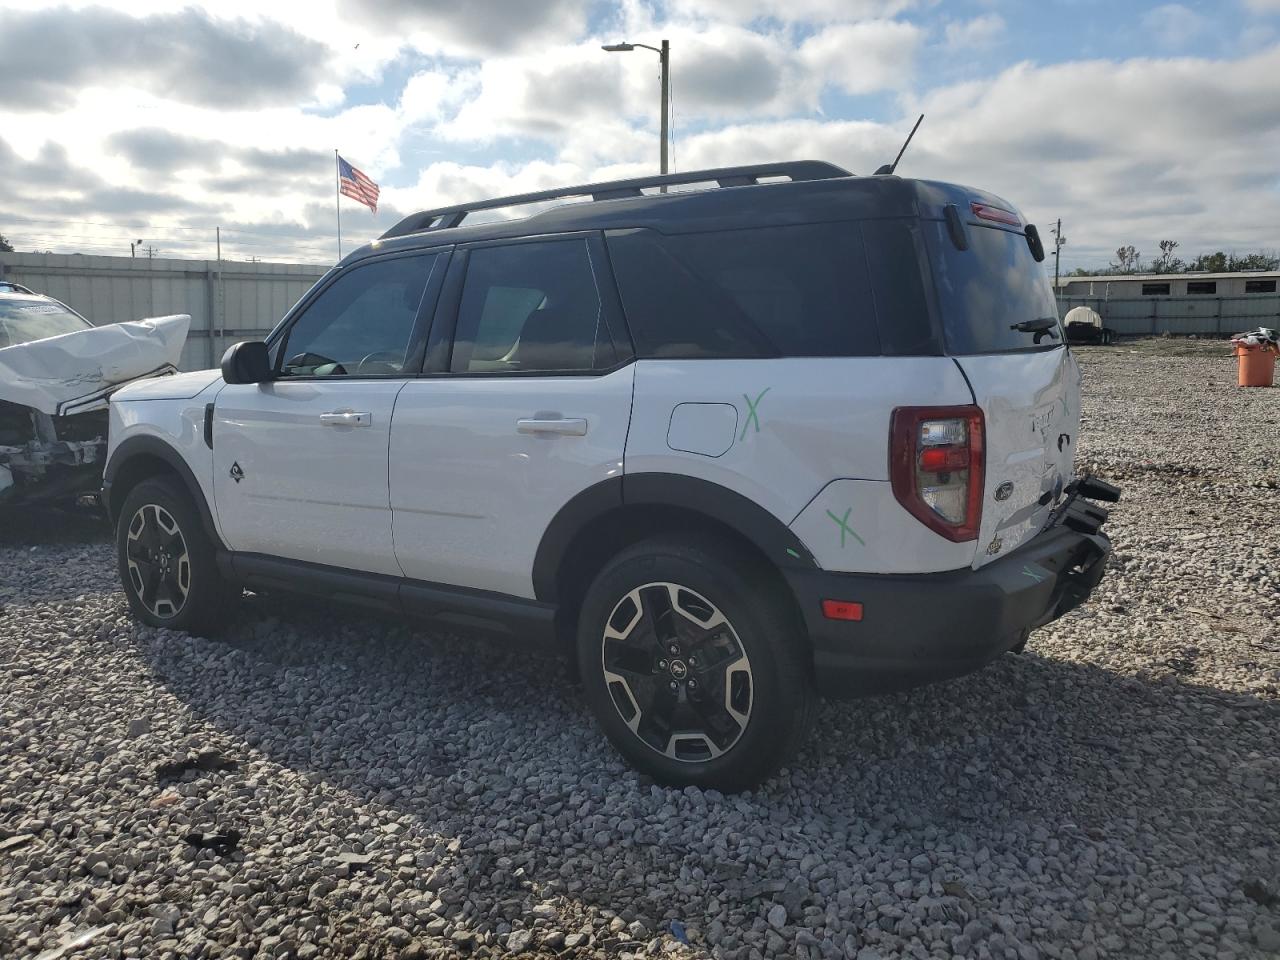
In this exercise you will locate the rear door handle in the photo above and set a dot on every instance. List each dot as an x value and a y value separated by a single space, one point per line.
565 427
346 418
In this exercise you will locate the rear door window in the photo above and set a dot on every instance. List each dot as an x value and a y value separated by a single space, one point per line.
985 290
531 307
794 291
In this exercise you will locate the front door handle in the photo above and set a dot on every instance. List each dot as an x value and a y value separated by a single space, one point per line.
346 418
565 427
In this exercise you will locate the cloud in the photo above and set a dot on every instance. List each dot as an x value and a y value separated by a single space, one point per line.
1174 25
47 56
863 57
485 26
976 34
158 150
732 71
1263 6
820 11
443 106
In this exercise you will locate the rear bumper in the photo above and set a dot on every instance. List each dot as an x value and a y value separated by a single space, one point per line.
924 627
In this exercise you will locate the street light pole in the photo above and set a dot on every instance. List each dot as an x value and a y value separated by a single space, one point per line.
664 58
664 55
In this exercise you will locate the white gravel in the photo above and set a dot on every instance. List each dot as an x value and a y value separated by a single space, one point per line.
363 790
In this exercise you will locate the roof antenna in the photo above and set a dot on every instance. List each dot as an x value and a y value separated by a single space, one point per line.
888 168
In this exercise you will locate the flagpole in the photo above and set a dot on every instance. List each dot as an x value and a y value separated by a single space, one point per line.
337 199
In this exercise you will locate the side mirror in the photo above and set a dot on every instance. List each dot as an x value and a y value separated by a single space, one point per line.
246 362
1033 241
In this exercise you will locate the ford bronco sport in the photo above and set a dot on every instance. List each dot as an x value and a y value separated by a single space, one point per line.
775 432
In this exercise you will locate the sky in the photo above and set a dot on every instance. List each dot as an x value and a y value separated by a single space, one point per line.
160 120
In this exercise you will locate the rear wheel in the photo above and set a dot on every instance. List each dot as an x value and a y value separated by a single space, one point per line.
167 560
692 665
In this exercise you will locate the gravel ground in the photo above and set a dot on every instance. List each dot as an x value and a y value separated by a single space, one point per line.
337 786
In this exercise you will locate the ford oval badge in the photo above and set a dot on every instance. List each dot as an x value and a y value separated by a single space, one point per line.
1005 490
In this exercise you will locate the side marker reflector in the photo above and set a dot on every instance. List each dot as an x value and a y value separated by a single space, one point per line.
842 610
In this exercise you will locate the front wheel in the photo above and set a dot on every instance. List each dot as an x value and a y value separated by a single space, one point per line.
167 560
693 666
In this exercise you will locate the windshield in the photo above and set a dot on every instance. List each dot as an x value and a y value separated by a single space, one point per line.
22 321
985 291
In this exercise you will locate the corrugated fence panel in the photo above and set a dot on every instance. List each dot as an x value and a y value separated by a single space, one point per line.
245 304
1201 315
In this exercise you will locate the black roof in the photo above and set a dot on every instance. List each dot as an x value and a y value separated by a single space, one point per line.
793 192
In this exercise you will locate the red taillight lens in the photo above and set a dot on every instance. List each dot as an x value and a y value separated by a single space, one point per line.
936 460
952 457
985 211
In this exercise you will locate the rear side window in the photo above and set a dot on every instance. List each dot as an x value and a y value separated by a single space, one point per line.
902 310
985 290
799 291
530 307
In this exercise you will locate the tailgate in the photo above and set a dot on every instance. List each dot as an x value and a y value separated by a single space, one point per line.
1031 404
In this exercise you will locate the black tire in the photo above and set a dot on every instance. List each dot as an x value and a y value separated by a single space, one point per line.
662 599
167 561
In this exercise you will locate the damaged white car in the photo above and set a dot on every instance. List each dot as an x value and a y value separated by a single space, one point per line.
56 372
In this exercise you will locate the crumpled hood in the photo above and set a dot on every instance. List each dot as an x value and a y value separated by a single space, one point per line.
77 371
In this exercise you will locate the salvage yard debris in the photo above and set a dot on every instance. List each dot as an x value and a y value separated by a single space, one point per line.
54 391
207 760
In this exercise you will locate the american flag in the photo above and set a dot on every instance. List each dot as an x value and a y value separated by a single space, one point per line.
354 184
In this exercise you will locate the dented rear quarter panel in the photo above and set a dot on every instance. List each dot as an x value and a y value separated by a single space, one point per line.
808 438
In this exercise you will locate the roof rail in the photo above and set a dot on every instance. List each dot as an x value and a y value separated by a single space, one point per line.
443 218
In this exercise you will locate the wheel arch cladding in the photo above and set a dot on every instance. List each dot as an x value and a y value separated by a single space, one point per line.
141 458
606 518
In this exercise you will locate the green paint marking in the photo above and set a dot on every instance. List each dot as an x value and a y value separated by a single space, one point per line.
1028 572
752 407
843 524
793 553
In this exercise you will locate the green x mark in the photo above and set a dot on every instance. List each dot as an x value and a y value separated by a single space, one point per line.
1028 572
843 523
752 406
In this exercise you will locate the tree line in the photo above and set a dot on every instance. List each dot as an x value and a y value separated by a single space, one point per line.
1129 260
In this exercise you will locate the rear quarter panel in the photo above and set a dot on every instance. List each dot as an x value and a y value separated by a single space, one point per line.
811 435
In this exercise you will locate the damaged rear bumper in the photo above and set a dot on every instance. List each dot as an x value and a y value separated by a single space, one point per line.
924 627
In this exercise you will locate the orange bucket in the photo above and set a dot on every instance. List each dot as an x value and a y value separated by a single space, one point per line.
1257 365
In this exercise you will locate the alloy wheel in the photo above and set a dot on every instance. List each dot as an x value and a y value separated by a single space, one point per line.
677 672
159 567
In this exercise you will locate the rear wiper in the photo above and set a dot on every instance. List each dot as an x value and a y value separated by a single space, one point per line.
1040 327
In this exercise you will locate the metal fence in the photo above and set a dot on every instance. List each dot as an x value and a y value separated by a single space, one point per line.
227 300
1205 316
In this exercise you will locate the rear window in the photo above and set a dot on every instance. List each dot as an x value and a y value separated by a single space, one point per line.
985 290
797 291
22 321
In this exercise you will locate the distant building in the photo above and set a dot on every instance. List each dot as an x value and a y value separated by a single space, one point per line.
1171 285
1178 303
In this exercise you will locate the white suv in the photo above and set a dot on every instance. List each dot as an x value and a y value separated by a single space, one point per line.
794 433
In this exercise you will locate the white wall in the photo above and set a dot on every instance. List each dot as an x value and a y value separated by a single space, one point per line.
244 301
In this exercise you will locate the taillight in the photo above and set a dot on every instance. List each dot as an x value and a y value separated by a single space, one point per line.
936 459
987 211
